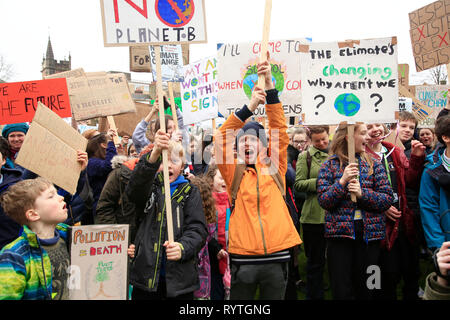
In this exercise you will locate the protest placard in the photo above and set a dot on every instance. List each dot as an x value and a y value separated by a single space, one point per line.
127 122
50 149
434 97
405 104
429 31
350 81
67 74
171 63
19 100
237 74
164 22
403 74
140 59
100 96
199 91
99 262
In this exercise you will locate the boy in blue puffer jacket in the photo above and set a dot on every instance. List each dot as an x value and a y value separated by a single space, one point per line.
434 197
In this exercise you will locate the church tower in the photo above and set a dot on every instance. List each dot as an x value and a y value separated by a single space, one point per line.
50 65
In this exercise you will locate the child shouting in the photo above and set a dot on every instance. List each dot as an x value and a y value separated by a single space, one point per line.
34 266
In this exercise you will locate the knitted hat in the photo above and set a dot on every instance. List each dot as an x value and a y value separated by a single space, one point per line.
20 127
253 128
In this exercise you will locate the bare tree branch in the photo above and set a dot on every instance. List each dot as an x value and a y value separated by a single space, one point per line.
439 74
6 70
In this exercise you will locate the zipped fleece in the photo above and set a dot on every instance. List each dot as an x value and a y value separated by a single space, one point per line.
25 268
189 227
260 223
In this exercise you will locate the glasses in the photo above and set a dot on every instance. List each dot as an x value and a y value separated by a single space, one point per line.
303 142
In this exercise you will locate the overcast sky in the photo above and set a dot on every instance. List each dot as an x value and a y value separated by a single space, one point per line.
75 27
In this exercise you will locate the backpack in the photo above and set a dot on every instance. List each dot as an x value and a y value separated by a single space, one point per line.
237 178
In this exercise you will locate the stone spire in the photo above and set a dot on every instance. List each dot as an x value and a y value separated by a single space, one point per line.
49 54
50 65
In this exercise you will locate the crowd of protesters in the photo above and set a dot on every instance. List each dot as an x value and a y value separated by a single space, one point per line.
247 201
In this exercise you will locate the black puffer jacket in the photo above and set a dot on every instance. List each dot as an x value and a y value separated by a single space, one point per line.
189 227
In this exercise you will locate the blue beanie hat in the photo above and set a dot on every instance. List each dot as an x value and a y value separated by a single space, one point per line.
21 127
253 128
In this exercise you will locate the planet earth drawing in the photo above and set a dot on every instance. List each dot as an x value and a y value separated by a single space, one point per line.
347 104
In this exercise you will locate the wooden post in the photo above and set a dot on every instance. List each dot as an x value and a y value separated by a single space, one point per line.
112 125
351 149
102 124
160 93
74 123
172 104
214 126
265 39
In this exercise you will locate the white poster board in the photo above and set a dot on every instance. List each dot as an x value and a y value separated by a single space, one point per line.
171 63
99 262
405 104
199 91
132 22
350 81
238 75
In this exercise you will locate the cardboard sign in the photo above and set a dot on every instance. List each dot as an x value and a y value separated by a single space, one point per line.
99 262
50 149
350 81
140 59
199 91
19 100
99 96
126 23
67 74
430 35
126 123
434 97
237 75
403 75
171 63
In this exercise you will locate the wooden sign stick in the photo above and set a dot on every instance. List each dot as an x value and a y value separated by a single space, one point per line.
351 149
214 126
165 158
112 125
265 39
172 105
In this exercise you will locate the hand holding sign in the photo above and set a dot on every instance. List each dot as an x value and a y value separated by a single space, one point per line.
82 158
265 69
350 172
259 94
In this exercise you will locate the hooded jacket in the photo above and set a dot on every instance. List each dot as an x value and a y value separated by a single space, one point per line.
114 206
408 172
25 268
311 210
9 229
146 190
260 223
434 198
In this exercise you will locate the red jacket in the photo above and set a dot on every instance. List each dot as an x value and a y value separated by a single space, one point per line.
408 173
222 204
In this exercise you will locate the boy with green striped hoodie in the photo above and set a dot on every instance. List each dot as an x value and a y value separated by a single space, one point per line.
35 265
